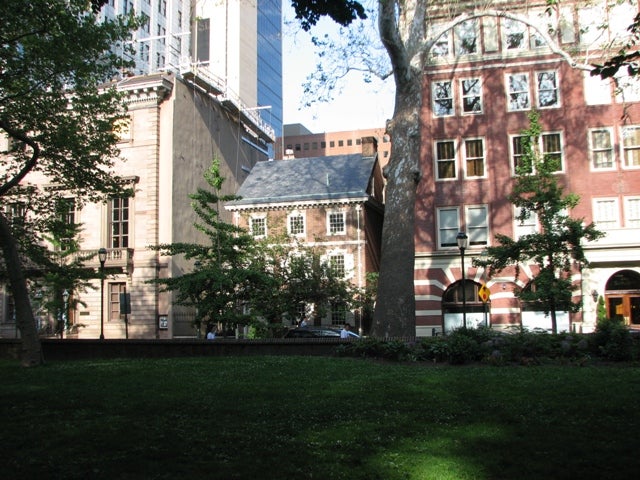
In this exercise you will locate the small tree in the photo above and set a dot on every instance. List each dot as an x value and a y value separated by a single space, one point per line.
224 274
557 245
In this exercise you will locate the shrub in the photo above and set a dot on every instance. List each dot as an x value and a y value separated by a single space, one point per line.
612 340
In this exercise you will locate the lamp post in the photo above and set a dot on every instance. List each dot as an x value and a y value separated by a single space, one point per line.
197 266
102 257
462 239
65 299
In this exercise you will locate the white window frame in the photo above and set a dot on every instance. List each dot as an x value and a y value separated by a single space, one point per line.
597 151
610 221
632 211
514 106
447 233
438 109
461 32
477 226
560 152
528 226
329 223
437 160
629 148
294 215
540 150
256 218
554 87
476 92
466 158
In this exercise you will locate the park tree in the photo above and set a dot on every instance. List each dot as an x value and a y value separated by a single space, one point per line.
407 30
57 116
557 247
224 275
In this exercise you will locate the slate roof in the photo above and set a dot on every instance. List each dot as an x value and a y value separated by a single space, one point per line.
306 180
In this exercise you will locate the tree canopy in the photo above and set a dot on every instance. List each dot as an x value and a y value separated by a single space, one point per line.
58 112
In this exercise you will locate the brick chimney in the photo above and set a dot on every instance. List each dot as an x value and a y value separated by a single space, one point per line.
369 146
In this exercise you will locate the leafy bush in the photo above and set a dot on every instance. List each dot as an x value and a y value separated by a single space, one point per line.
612 340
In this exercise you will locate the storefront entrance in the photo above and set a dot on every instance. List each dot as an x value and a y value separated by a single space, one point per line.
623 297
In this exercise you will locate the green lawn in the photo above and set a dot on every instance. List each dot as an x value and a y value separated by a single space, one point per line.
284 418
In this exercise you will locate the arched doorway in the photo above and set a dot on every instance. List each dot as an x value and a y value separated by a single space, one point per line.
477 313
622 294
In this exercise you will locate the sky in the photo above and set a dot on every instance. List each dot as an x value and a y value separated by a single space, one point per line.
360 105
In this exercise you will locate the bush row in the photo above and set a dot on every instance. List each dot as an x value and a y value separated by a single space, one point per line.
611 341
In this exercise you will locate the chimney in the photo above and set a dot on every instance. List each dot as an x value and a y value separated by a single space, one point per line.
369 146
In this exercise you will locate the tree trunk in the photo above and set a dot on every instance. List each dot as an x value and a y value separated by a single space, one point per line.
31 352
395 310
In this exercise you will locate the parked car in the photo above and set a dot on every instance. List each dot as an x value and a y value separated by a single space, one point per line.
316 332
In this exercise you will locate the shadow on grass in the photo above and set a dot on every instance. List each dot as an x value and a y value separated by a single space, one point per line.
307 418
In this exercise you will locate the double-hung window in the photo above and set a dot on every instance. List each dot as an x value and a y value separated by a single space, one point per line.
336 224
442 94
474 157
605 213
601 148
632 212
477 224
631 146
445 155
547 86
524 224
518 92
471 95
448 227
258 226
296 224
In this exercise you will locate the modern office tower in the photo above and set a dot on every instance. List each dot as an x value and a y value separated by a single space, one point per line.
232 48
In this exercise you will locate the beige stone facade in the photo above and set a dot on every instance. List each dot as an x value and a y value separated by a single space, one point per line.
175 130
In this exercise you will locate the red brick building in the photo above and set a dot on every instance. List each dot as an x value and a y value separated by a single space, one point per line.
484 77
333 203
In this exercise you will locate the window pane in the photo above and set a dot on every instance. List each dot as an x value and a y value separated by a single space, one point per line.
466 37
547 89
519 92
477 225
442 99
631 145
474 154
552 149
633 212
601 149
471 95
445 157
448 223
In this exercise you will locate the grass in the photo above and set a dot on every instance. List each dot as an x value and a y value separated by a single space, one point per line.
294 418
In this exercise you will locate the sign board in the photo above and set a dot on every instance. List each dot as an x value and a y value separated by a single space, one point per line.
163 322
125 303
484 294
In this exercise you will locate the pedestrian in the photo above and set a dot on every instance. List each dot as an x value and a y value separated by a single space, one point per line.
303 323
344 333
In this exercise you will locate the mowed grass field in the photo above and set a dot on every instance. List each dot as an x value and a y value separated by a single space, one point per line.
265 418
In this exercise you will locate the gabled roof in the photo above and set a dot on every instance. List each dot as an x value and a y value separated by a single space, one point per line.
306 180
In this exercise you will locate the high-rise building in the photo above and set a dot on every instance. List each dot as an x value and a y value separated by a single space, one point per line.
233 48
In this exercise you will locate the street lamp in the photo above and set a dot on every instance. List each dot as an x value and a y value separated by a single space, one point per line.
102 257
65 299
462 240
197 266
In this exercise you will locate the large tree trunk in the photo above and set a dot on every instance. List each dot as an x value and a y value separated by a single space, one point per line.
395 310
31 352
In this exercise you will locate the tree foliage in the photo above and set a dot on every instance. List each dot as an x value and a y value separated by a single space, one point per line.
558 245
223 273
54 58
238 280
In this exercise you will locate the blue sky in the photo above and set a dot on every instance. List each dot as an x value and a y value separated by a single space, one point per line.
359 105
